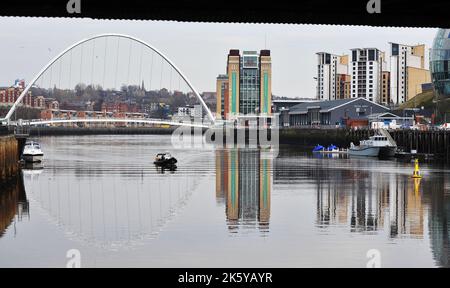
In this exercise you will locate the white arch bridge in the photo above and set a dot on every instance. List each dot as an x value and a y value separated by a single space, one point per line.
39 122
209 121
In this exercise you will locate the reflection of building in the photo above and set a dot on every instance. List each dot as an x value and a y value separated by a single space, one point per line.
243 182
13 202
406 211
439 221
361 199
371 203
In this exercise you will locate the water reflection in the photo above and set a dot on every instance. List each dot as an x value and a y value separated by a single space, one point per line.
113 208
439 220
319 210
371 203
13 204
358 195
243 185
168 168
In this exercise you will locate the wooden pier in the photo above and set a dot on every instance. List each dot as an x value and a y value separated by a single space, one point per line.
9 157
436 143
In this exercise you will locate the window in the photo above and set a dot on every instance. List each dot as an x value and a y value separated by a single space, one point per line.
395 50
327 58
371 55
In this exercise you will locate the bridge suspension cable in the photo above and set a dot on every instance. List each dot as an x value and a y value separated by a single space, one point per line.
85 75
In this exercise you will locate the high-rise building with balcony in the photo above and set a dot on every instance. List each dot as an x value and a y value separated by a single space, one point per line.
366 71
332 76
408 73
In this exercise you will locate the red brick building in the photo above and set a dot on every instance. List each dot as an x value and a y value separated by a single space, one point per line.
10 95
120 107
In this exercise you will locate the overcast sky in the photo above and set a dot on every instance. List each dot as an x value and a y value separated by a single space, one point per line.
200 49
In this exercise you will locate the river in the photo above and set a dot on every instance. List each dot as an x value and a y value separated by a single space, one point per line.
221 207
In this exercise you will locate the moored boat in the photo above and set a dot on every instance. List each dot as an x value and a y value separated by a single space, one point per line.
332 148
318 148
32 152
375 146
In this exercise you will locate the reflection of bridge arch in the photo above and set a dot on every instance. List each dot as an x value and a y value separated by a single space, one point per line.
46 67
100 215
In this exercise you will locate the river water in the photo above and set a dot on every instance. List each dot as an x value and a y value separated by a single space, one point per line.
234 207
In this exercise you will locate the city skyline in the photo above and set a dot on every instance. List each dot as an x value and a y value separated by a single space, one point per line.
293 46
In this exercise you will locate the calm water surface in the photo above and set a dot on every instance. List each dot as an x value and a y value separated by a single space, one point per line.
220 208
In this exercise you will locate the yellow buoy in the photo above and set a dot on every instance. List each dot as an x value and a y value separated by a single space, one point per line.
416 173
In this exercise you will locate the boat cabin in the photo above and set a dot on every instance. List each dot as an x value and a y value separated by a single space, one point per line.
162 156
33 144
377 140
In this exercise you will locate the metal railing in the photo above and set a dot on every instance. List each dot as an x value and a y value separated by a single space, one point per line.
386 134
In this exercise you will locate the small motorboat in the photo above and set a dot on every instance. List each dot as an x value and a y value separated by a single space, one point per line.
318 148
332 148
32 152
164 159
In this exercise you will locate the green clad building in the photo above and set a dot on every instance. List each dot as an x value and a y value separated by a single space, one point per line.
249 86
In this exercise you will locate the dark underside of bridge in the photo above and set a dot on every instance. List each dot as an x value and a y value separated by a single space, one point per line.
400 13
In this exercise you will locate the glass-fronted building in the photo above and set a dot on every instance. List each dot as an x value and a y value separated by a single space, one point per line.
249 88
249 83
439 64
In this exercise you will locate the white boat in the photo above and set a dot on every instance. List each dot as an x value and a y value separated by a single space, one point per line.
375 146
32 152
